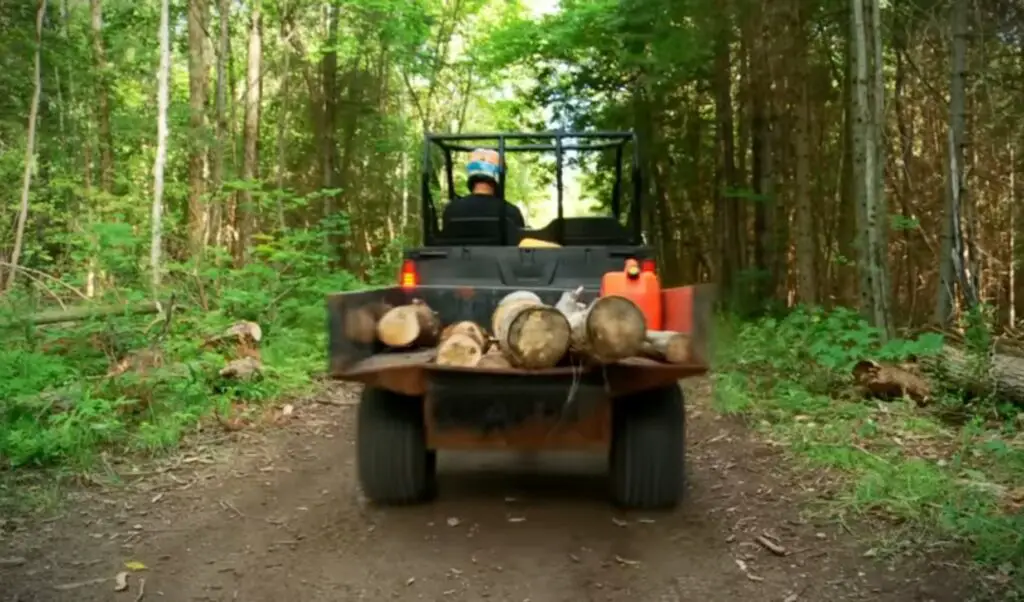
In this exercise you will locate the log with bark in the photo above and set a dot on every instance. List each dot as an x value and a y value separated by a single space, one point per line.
1001 374
408 326
530 334
463 344
888 381
76 314
361 323
667 346
611 328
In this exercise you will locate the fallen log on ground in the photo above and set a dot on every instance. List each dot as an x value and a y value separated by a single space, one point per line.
77 314
530 334
611 328
409 326
463 344
1000 374
891 381
667 346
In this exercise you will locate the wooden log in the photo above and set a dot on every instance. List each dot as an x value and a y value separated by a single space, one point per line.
406 326
1002 374
76 314
530 334
609 329
361 323
494 360
462 344
667 346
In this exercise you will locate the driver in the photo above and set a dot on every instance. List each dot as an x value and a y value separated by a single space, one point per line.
483 169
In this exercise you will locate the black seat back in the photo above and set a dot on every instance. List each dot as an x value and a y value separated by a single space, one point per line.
584 231
477 232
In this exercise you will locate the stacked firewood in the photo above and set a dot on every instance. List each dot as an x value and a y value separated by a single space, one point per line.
525 333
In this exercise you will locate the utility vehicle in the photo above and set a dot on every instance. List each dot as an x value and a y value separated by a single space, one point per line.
412 408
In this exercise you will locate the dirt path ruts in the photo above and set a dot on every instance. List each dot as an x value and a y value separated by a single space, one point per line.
279 518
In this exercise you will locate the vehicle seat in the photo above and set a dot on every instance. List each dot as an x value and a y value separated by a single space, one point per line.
583 231
477 231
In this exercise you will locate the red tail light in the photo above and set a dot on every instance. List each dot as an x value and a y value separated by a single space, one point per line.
408 278
648 265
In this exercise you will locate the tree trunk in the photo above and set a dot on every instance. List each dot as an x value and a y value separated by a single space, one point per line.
956 190
30 149
872 219
725 172
198 215
282 126
531 335
806 243
217 168
163 99
106 143
246 212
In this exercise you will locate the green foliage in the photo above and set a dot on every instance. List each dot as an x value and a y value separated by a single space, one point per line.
894 461
59 406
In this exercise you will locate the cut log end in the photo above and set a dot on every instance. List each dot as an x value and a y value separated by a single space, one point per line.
459 350
669 347
610 329
531 335
413 325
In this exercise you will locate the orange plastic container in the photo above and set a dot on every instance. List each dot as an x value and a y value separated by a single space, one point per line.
640 286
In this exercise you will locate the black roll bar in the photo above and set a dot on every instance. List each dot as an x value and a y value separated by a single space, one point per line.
583 142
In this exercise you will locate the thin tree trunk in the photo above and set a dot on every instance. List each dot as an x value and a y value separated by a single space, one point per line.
30 149
282 129
246 212
872 217
163 99
106 143
806 244
198 214
963 264
217 171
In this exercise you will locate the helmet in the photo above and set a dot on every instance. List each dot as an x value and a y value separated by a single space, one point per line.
484 165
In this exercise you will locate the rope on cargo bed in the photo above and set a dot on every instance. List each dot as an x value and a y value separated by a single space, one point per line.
577 378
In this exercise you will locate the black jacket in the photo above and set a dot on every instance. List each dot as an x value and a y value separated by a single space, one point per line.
480 206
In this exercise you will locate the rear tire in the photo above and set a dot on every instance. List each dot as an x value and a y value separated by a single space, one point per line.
647 457
394 464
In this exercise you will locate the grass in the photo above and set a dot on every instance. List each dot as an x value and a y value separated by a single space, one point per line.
60 410
930 482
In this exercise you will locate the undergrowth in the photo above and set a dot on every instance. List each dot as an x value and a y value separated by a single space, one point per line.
59 406
931 480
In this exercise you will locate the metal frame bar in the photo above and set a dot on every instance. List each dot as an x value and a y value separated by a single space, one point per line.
602 141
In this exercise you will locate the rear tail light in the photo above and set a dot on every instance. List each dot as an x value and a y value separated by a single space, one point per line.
407 277
648 265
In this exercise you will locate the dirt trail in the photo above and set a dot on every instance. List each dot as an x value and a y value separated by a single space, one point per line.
279 517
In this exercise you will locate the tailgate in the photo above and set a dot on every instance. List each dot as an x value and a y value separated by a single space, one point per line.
564 268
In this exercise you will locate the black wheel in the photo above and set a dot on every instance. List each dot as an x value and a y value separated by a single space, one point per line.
394 464
647 452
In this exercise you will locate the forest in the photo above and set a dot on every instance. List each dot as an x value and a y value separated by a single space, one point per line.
847 172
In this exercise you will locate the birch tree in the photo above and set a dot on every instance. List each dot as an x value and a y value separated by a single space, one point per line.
163 97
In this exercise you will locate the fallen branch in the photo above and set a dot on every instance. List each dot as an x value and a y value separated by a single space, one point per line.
77 314
27 271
